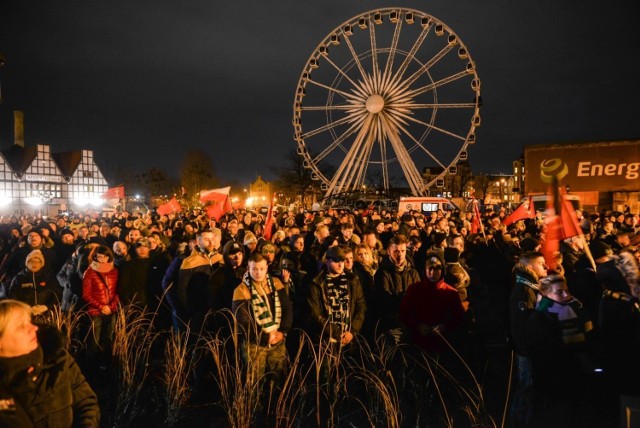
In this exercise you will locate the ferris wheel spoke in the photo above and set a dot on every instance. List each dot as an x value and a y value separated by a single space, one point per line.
392 50
383 155
406 163
340 176
441 82
326 127
358 170
350 131
429 125
330 107
374 56
355 85
411 106
356 59
418 143
426 66
411 54
346 95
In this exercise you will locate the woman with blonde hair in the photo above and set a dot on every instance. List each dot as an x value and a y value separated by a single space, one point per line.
40 383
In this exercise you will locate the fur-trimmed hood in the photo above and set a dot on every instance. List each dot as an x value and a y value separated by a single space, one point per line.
628 268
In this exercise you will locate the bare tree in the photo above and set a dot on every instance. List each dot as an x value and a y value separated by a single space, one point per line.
156 181
197 173
294 178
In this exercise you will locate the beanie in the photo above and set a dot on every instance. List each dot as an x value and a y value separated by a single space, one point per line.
435 257
250 238
35 254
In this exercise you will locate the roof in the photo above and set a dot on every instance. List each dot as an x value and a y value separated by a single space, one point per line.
19 158
67 161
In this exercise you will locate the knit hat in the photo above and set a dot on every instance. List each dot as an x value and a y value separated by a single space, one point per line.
232 247
599 249
268 247
66 231
435 258
249 238
35 254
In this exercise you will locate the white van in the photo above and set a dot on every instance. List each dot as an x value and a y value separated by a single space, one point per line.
425 204
540 201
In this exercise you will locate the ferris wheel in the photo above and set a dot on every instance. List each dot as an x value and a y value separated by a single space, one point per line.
384 95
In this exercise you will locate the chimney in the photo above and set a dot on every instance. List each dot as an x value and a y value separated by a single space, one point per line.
18 128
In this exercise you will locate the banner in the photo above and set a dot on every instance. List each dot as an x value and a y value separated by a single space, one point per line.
114 193
215 195
217 200
525 210
268 225
173 206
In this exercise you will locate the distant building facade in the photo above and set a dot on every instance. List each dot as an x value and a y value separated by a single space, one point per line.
605 175
35 180
260 192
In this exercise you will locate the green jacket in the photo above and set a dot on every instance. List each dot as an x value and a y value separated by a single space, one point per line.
45 388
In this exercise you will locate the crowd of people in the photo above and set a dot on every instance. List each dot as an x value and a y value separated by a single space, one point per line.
404 278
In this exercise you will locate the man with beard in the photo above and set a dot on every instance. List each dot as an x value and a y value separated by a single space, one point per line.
198 280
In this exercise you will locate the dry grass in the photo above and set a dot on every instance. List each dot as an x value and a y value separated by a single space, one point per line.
363 385
68 323
133 339
176 375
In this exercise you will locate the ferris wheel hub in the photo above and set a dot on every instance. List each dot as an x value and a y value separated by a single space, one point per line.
375 103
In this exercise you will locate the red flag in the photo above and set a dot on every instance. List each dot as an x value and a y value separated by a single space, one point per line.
268 225
216 210
173 206
525 210
114 193
562 223
476 221
239 205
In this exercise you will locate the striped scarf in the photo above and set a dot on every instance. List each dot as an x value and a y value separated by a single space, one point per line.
261 306
337 293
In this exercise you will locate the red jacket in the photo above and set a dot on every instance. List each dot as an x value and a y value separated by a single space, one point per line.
431 304
100 288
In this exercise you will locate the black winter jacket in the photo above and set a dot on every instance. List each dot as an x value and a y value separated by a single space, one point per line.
319 306
46 388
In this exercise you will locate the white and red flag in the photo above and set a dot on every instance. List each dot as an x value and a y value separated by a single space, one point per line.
217 200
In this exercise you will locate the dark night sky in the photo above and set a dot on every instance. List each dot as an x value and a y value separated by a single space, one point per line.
139 82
